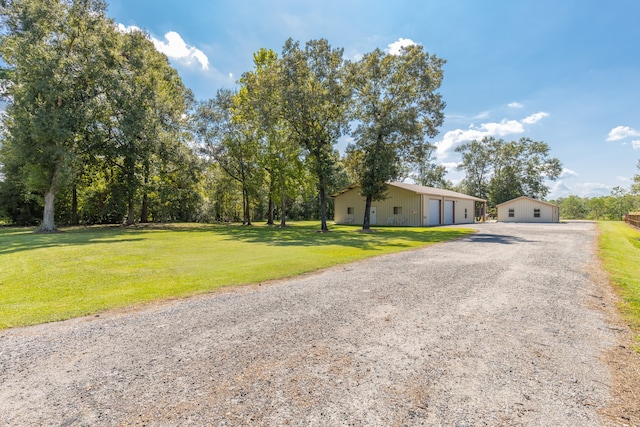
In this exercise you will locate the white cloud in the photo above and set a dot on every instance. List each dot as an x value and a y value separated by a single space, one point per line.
535 118
636 144
129 29
586 189
455 137
559 189
395 48
450 166
481 116
568 172
176 48
503 128
515 105
622 132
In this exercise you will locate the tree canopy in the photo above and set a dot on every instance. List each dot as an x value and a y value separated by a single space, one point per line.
396 108
99 128
499 170
83 96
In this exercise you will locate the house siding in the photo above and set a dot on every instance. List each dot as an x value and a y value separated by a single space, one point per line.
414 207
396 197
523 209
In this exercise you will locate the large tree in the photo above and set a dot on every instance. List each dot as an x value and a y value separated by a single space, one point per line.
396 107
502 170
232 143
55 53
314 101
147 107
476 162
259 106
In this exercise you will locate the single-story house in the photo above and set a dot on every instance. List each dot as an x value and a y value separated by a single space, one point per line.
526 209
408 204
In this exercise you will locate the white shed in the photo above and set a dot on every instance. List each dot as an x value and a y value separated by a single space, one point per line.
526 209
409 204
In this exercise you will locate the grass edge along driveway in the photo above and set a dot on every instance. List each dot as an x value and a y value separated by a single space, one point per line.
87 270
619 245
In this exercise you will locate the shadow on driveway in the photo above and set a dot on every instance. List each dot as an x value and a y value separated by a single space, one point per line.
495 238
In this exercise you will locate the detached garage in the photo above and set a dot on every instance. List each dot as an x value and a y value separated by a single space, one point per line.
409 204
526 209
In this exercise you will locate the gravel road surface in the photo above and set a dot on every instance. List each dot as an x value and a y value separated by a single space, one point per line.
499 328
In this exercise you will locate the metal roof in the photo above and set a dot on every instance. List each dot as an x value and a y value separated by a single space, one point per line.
419 189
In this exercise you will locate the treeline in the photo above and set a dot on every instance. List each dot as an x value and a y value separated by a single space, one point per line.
615 206
612 207
99 128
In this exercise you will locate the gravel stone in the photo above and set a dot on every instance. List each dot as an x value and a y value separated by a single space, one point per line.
498 328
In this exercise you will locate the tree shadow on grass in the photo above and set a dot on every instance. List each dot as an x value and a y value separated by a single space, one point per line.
305 236
14 240
20 240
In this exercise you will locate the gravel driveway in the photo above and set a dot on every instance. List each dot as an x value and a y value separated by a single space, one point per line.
497 328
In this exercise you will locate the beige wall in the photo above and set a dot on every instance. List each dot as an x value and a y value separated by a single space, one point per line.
460 206
524 211
409 202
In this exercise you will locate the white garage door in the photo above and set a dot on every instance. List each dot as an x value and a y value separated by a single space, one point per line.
448 212
434 212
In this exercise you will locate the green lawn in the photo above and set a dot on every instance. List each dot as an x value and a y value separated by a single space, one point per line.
49 277
620 251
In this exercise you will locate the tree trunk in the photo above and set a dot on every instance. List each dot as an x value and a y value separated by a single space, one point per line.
283 210
366 224
74 205
270 211
48 219
144 211
245 207
131 217
323 209
272 189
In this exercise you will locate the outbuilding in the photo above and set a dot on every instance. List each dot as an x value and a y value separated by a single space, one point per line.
526 209
409 204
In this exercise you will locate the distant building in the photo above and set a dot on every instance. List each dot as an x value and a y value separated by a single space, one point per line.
410 205
526 209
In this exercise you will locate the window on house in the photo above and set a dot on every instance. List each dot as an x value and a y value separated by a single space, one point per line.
536 213
349 211
465 213
397 210
512 213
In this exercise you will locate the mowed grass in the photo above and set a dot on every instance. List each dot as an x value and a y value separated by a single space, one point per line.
81 271
620 252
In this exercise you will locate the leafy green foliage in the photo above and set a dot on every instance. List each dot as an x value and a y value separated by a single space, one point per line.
499 170
313 98
612 207
396 107
54 50
94 116
635 187
259 105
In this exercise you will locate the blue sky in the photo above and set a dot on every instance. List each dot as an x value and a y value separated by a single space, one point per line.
564 72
